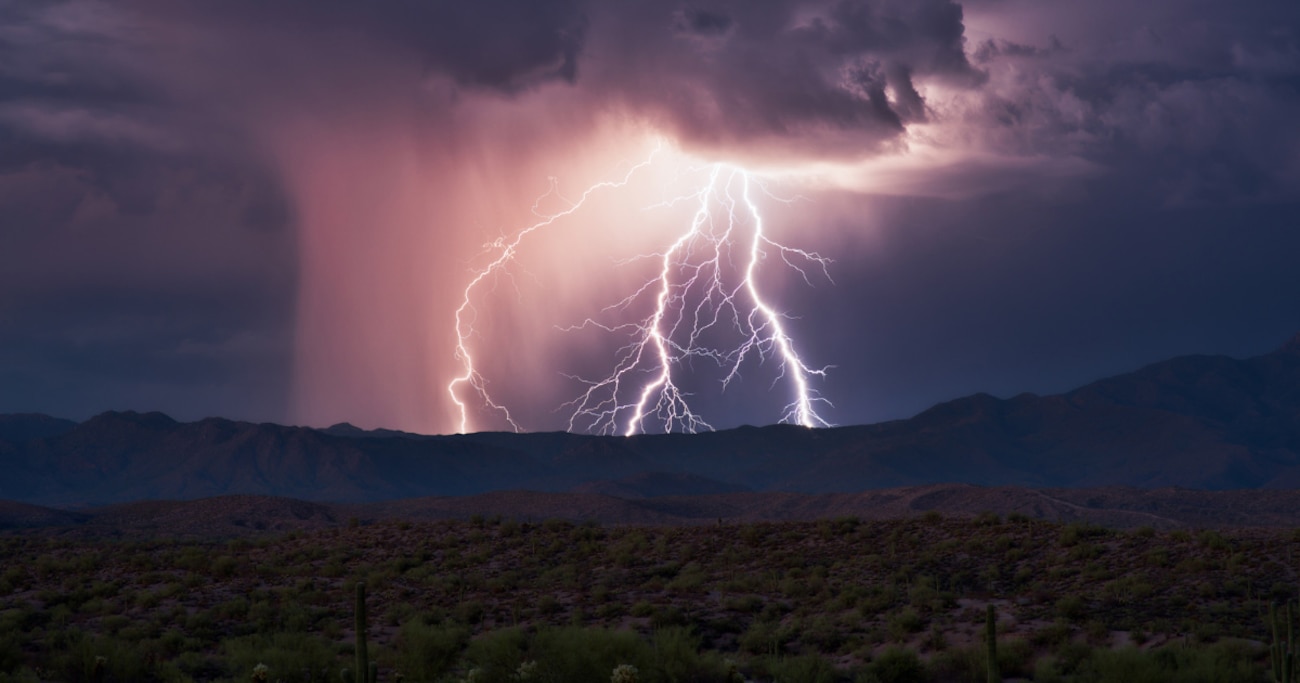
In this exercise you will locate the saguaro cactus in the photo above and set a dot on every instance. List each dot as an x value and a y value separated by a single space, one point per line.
1282 652
363 666
991 640
1288 660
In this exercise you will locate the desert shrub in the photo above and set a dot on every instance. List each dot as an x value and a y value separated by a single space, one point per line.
988 518
1071 607
965 664
829 529
296 618
611 610
877 599
1073 655
1281 592
224 566
497 655
557 526
290 657
578 654
1047 670
1212 540
1014 656
1229 662
1096 632
896 665
23 619
905 623
265 616
823 633
11 652
12 579
763 637
1157 557
547 605
747 603
924 596
690 579
773 611
668 617
121 661
936 640
426 652
678 658
471 612
1072 533
800 669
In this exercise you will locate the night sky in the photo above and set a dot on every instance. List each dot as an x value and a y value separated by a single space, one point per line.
269 210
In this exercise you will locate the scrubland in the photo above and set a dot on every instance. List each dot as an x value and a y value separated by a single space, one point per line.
491 599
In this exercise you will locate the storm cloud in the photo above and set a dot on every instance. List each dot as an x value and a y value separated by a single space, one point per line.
262 210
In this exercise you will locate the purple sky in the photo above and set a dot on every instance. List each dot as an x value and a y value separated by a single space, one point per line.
267 211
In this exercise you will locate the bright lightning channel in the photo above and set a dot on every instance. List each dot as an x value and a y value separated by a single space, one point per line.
695 296
465 312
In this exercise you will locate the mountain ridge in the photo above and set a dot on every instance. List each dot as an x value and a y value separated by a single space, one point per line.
1199 422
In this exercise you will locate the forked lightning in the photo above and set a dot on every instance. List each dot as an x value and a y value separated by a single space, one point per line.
699 294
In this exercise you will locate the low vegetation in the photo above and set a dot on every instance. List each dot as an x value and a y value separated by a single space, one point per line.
501 600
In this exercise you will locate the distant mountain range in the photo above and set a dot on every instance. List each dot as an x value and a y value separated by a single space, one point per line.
242 515
1203 422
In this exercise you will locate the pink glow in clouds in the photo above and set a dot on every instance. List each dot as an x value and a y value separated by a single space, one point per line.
399 212
412 138
393 223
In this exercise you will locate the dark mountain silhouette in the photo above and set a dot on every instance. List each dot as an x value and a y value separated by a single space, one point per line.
1203 422
23 427
655 484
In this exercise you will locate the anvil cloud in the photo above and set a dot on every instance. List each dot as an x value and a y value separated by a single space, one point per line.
267 210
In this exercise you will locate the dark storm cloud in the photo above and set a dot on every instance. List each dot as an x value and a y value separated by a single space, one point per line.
821 78
144 260
147 249
701 22
143 282
808 75
1192 100
500 44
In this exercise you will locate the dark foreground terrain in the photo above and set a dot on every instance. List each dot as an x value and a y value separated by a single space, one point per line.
842 599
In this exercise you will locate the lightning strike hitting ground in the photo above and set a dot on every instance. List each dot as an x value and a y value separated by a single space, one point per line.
707 306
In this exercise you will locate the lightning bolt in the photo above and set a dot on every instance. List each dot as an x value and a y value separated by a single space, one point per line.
693 296
465 313
706 287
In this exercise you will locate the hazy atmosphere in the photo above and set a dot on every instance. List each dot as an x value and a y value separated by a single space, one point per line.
272 211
